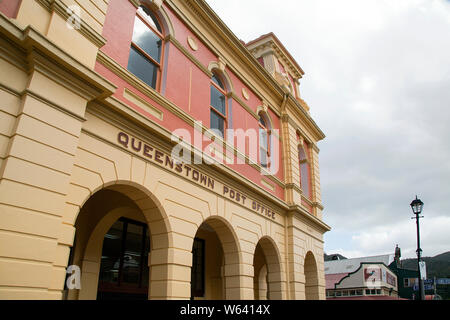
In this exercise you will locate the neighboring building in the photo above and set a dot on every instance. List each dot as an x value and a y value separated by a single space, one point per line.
361 278
406 278
94 100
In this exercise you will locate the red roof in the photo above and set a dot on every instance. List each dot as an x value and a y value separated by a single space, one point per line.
332 279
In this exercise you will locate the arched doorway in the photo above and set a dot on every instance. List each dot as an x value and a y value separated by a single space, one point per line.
112 244
215 262
311 278
267 271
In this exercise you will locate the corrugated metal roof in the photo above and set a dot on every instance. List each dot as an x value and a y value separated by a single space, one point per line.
351 265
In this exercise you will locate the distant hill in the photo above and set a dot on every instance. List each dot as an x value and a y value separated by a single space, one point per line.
437 266
331 257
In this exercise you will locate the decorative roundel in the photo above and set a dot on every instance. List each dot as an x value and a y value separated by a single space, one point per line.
245 94
192 43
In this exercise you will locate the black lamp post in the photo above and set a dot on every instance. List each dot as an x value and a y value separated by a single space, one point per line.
416 207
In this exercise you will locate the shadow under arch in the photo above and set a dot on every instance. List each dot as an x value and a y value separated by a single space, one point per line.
222 260
311 277
268 282
98 213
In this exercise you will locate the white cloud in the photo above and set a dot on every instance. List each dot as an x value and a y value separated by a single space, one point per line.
377 81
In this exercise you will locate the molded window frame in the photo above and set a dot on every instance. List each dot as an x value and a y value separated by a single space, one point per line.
222 89
159 33
265 126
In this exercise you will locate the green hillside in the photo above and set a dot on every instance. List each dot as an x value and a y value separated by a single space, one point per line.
437 266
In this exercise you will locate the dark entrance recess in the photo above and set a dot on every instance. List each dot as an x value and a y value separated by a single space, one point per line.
198 269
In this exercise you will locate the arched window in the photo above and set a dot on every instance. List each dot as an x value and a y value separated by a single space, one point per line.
304 170
218 112
264 141
146 47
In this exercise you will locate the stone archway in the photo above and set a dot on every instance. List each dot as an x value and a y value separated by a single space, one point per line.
221 267
98 214
267 271
311 277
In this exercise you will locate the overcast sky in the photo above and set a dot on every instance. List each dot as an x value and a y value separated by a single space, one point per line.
378 84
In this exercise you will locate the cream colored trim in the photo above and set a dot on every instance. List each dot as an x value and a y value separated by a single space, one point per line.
192 43
43 55
318 205
189 55
61 9
28 92
308 201
167 22
219 65
245 94
263 108
294 187
310 122
286 118
243 104
268 184
134 98
307 218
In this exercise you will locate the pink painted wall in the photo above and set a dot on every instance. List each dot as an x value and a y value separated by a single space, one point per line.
187 86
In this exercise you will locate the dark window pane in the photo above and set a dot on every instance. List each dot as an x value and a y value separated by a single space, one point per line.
262 121
147 40
112 247
217 81
217 122
149 17
142 67
132 256
218 100
145 269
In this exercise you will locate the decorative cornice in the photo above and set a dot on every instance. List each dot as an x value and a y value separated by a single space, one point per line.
43 55
293 186
310 122
318 205
308 217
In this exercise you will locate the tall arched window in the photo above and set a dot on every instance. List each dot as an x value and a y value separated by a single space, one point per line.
264 141
146 47
304 170
218 112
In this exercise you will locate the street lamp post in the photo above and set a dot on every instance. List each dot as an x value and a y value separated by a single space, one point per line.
416 206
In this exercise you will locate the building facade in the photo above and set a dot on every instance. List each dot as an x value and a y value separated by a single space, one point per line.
361 279
128 162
